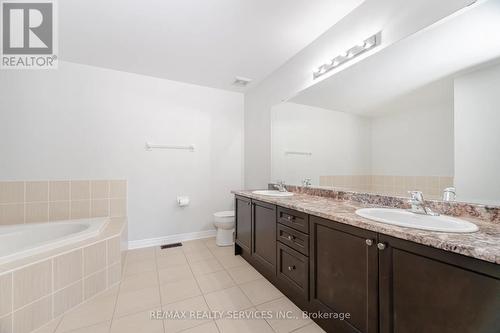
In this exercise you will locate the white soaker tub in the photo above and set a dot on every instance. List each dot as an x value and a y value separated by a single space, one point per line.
19 241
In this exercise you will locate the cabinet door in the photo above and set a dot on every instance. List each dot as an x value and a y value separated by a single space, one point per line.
423 289
344 271
264 236
243 223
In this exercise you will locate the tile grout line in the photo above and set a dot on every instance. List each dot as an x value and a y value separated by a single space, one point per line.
159 287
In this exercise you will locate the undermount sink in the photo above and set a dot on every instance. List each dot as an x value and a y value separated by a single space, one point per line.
273 193
408 219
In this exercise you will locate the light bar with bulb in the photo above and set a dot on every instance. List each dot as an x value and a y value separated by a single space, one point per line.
350 54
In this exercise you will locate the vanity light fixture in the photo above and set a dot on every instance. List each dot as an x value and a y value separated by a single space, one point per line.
350 54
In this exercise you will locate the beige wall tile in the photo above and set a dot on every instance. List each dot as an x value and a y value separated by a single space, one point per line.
118 207
68 298
11 213
37 191
114 274
445 182
59 190
68 269
37 212
80 190
99 208
5 294
118 188
94 258
6 324
114 250
420 183
32 282
11 192
59 210
433 183
99 189
80 209
94 284
33 316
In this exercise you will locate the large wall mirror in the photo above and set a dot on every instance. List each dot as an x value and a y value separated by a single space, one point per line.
421 114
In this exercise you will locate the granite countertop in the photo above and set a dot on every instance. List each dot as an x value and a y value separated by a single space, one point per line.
483 244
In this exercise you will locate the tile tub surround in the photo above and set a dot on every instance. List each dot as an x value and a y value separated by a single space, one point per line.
483 244
37 289
44 201
199 276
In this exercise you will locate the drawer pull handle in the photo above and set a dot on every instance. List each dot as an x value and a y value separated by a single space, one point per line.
289 218
291 268
381 246
290 237
369 242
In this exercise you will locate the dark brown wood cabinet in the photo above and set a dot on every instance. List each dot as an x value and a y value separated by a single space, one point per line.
344 275
385 284
428 290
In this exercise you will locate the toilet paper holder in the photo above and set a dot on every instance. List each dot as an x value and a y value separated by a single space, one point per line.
182 201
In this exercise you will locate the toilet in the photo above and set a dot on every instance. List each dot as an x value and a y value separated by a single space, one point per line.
224 223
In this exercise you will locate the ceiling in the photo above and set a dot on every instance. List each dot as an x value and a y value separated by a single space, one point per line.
457 44
196 41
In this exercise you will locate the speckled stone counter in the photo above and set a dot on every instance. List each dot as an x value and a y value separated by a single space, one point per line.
483 244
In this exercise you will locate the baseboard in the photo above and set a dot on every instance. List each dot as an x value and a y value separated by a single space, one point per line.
137 244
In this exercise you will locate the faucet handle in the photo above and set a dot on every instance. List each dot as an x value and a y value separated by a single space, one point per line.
417 196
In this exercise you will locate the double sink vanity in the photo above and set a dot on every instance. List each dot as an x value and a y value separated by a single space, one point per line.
349 264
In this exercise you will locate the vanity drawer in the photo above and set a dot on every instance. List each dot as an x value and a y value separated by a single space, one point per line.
294 219
295 239
293 270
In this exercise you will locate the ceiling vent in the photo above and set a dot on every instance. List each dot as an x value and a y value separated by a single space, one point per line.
240 81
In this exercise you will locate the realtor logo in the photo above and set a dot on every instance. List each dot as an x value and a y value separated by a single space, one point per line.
28 35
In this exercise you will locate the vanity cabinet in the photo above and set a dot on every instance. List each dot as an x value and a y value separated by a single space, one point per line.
385 284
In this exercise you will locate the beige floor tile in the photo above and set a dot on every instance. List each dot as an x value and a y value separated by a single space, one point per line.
284 325
197 256
260 291
244 325
194 246
168 252
136 267
6 324
186 307
231 299
50 327
139 281
206 266
221 251
137 300
137 323
311 328
244 274
168 261
98 328
214 281
210 242
175 273
232 261
179 290
98 310
205 328
147 253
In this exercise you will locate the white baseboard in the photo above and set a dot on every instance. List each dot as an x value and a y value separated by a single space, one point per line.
137 244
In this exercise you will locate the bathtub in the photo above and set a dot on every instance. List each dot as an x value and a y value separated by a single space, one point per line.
19 241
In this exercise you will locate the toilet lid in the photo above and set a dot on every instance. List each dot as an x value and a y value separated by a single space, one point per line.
227 213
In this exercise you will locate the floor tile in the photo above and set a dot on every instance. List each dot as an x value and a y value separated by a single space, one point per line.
136 267
186 307
197 256
231 299
221 251
139 281
168 261
169 251
206 266
232 261
50 327
205 328
194 246
244 274
214 281
243 325
137 300
284 325
311 328
97 310
175 273
137 323
210 242
98 328
147 253
260 291
178 291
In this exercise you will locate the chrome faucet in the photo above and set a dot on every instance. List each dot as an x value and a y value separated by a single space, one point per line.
280 186
306 182
418 205
449 194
